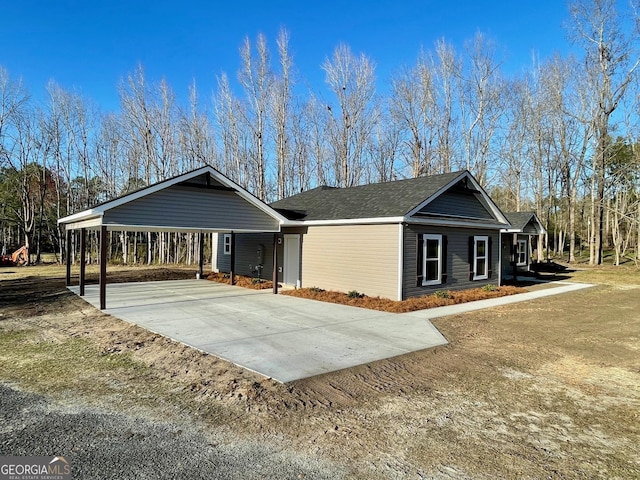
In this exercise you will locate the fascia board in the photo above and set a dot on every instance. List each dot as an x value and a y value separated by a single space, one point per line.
344 221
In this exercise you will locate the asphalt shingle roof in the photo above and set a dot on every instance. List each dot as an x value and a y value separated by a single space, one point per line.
519 220
376 200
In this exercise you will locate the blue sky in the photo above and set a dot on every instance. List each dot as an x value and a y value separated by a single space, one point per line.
89 45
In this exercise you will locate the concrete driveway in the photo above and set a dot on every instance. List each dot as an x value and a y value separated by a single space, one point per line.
278 336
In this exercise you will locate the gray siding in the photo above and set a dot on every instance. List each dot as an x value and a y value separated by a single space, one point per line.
457 259
508 254
458 203
192 208
530 227
247 254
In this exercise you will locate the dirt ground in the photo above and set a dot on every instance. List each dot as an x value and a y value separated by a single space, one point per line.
541 389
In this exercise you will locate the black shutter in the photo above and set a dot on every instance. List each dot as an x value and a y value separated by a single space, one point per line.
490 256
419 258
471 267
444 259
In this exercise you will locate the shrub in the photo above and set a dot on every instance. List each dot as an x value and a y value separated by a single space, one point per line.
355 294
256 281
442 294
316 290
489 287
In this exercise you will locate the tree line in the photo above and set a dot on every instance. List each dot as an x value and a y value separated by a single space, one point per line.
560 138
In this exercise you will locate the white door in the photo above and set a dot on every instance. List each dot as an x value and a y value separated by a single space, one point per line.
214 252
291 264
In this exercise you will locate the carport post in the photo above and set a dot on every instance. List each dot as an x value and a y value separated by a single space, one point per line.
514 252
68 257
201 260
233 258
83 245
103 267
275 263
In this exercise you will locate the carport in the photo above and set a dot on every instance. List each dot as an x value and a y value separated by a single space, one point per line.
201 201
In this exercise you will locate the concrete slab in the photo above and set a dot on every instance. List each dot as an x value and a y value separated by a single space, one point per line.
278 336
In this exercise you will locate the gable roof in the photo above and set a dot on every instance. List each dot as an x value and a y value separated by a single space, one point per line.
375 200
396 200
520 220
205 176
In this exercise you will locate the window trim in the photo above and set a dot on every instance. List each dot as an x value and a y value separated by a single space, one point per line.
521 251
226 244
425 238
476 240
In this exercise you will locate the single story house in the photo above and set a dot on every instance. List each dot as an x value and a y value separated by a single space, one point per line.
518 243
396 239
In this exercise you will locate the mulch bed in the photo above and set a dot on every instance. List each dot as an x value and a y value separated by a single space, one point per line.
445 297
241 281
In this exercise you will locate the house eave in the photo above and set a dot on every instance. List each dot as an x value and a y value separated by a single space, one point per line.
344 221
99 210
81 216
453 222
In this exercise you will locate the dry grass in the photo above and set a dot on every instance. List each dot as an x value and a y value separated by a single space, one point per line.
241 281
546 388
607 274
444 297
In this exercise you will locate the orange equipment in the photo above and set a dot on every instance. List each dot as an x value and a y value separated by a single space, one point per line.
18 258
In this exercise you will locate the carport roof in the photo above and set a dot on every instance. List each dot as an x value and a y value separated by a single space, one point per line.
195 187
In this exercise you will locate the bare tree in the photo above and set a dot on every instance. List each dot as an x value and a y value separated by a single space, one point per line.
352 80
256 78
447 70
13 98
413 108
568 108
384 145
229 123
514 152
197 142
611 59
481 105
281 107
165 124
318 119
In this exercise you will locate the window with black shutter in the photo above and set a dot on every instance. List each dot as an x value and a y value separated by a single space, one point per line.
430 259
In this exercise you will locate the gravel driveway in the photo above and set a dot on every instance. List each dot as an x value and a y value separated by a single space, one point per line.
103 445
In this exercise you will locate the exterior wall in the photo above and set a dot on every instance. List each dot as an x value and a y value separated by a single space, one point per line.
247 254
457 203
192 207
352 257
506 251
508 254
457 261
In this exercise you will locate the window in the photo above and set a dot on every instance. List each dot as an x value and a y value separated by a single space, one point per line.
480 257
521 253
227 244
431 259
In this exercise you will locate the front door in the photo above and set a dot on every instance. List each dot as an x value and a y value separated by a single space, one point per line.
291 264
